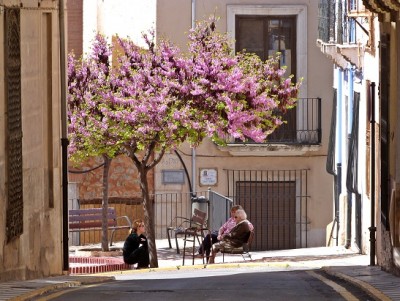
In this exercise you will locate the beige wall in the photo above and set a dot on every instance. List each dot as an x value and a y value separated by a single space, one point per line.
38 251
127 18
174 20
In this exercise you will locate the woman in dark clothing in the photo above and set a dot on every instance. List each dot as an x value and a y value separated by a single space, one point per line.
135 248
236 238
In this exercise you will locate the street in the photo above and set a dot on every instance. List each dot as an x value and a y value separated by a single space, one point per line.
244 283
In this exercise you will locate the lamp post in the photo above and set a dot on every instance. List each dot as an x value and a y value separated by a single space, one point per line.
64 134
372 229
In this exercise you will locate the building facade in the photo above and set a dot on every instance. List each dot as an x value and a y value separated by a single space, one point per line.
360 36
283 183
31 237
388 197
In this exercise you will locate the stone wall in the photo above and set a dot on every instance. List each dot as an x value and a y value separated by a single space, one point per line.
123 179
36 251
386 255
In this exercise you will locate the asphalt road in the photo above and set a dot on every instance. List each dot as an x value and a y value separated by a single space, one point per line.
216 284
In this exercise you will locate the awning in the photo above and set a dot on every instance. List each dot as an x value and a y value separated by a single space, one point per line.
383 7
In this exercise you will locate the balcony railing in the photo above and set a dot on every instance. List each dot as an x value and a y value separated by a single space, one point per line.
302 125
337 21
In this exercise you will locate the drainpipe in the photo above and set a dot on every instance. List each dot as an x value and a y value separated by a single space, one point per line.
339 75
372 229
193 13
349 129
64 135
193 189
192 195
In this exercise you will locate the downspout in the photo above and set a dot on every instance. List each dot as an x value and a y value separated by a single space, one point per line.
339 150
64 135
349 130
192 195
372 229
193 13
193 188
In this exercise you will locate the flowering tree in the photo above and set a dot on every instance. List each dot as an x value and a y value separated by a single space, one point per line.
157 98
88 128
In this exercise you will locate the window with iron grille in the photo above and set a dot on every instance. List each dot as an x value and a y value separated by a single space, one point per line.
14 210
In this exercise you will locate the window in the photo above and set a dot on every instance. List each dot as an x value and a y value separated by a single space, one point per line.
279 25
267 35
266 30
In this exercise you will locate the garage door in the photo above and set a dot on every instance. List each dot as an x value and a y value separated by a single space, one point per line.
271 207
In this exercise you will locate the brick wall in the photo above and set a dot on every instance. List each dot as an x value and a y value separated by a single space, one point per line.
124 191
123 179
75 26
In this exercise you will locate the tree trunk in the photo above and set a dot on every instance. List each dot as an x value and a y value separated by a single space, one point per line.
104 205
148 217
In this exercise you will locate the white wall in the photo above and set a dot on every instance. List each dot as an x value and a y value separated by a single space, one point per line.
127 18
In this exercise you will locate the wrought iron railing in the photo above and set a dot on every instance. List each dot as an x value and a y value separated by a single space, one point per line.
276 203
167 206
302 125
336 25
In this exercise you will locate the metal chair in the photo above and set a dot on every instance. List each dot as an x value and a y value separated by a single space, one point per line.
176 227
180 224
196 232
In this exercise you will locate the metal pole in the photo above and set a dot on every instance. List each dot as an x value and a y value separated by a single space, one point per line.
194 180
350 113
192 194
338 191
372 229
64 135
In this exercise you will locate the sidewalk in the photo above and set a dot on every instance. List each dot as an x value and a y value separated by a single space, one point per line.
336 261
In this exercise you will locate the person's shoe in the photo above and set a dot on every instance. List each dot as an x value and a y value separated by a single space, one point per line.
141 267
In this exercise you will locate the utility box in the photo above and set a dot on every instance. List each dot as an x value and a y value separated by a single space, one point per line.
203 204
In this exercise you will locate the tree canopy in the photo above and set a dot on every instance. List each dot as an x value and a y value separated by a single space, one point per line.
155 98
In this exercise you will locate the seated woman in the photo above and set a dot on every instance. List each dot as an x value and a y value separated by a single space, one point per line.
135 248
236 237
215 237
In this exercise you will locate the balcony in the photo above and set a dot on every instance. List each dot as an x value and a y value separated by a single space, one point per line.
344 30
301 133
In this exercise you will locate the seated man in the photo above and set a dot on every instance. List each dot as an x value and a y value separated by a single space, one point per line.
236 237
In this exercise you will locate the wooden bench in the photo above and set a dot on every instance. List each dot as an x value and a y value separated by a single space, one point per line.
91 219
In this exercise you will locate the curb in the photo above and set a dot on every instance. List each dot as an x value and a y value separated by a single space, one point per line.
69 283
372 291
207 266
92 265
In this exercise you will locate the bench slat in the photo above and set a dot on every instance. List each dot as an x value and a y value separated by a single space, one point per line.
77 218
94 224
91 219
90 211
